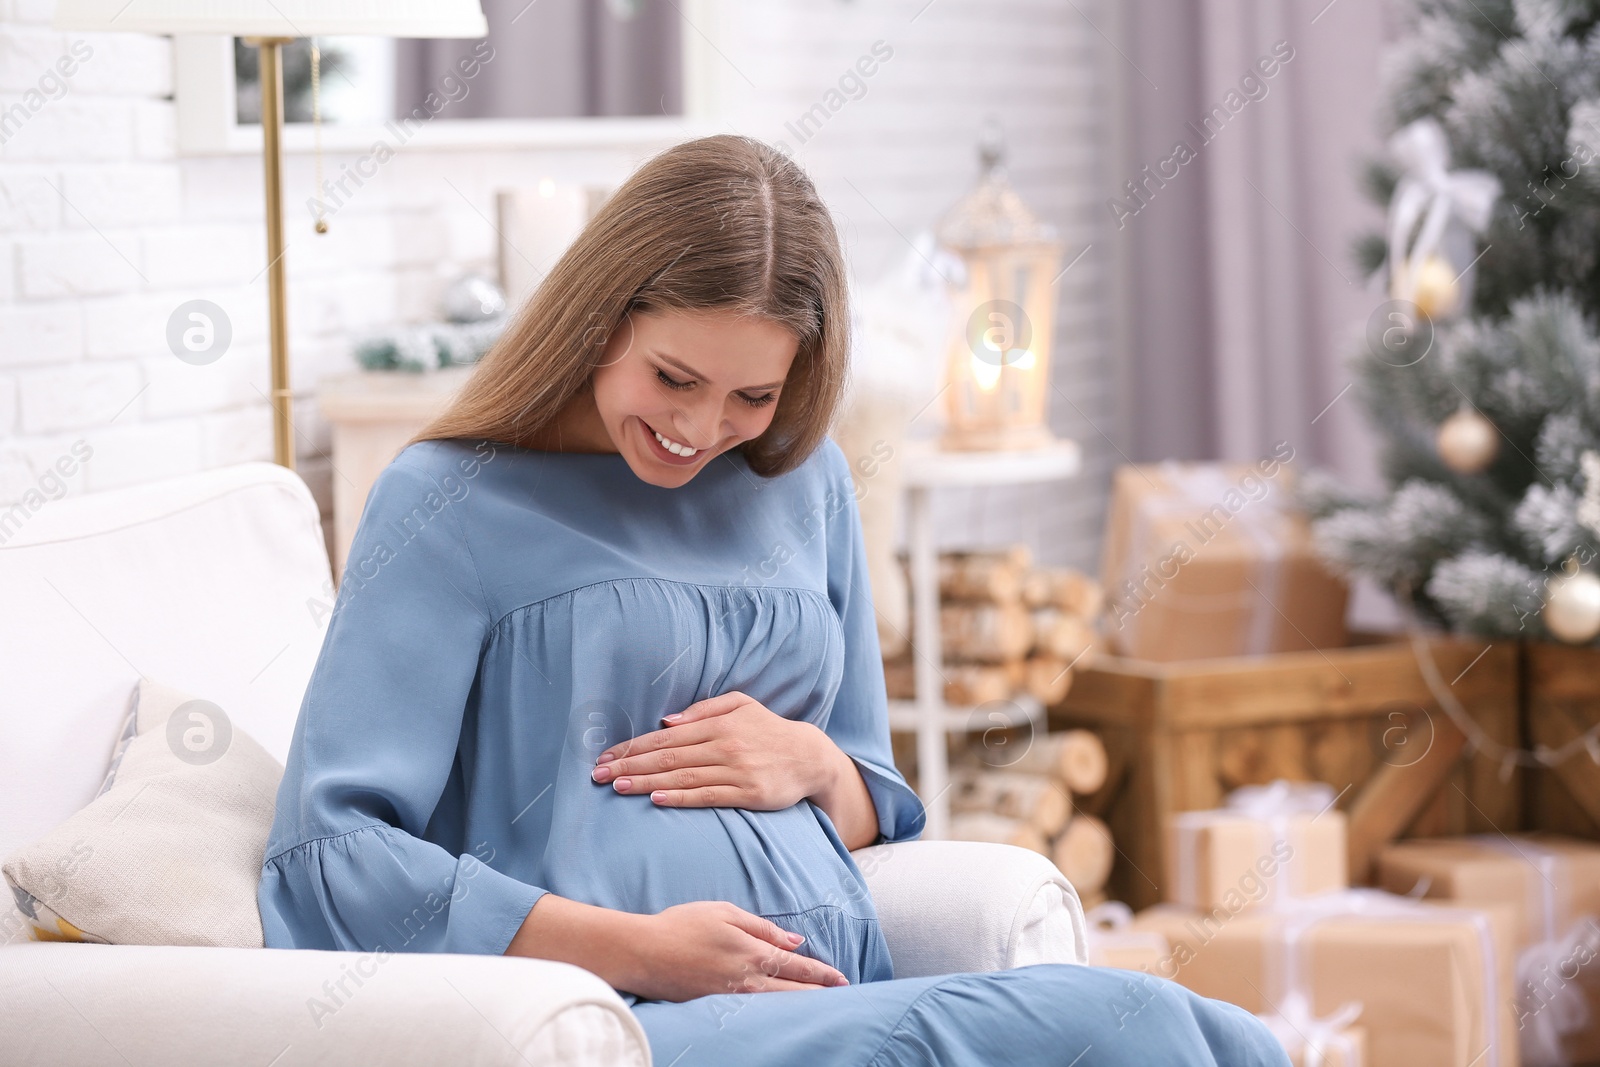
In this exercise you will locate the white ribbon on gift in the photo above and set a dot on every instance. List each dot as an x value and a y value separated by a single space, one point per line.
1294 918
1298 1029
1430 191
1567 1009
1199 487
1273 807
1106 926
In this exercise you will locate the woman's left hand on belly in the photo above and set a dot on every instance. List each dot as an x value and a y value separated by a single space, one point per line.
730 751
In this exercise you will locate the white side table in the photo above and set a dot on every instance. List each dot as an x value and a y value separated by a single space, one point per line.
927 468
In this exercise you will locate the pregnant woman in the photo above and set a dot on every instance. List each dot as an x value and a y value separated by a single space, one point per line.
602 683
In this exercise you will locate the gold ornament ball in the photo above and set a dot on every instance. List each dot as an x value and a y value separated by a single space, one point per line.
1435 290
1573 611
1468 442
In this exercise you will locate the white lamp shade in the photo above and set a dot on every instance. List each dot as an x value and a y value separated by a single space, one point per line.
278 18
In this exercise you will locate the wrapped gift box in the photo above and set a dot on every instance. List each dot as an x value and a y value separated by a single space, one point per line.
1348 1048
1433 982
1268 842
1552 884
1550 881
1317 1046
1205 559
1112 942
1134 950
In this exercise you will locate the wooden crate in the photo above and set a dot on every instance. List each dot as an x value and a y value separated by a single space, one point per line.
1182 735
1561 702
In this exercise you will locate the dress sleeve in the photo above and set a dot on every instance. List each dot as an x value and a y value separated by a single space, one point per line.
859 721
346 865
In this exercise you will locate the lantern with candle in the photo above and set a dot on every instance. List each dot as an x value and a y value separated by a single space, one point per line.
998 366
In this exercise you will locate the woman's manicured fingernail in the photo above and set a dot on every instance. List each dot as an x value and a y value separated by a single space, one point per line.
841 980
624 784
795 939
601 774
659 796
605 757
674 717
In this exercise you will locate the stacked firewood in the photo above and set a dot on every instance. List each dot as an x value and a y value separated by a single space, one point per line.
1032 795
1006 627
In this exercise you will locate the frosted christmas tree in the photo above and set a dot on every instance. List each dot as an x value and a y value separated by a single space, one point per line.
1483 368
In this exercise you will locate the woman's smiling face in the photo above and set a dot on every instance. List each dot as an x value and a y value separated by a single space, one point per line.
703 380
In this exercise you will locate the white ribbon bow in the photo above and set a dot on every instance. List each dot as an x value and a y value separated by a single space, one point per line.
1280 799
1551 1014
1428 185
1318 1036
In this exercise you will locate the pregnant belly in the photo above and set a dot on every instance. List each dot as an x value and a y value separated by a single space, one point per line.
625 852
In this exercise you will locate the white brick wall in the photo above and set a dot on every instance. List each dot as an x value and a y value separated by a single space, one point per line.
38 332
75 396
105 229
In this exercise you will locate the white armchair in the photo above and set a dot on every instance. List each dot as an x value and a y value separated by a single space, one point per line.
218 583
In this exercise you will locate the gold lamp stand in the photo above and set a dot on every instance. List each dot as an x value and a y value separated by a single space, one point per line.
267 28
277 283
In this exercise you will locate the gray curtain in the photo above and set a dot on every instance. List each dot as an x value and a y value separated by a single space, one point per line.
1236 293
555 59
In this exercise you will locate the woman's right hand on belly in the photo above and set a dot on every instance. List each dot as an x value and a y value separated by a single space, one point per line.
682 952
710 946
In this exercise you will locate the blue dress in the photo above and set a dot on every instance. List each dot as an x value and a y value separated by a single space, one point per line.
505 615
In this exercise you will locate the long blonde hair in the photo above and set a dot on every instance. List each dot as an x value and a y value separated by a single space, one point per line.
724 222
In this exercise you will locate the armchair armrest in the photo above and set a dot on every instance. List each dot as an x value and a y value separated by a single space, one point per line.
71 1004
945 907
951 906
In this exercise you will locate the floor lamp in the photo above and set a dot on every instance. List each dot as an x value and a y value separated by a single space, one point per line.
269 25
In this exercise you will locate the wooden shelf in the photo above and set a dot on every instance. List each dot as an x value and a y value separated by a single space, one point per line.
905 715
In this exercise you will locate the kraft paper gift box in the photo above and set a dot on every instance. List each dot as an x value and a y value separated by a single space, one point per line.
1112 942
1206 559
1552 883
1347 1048
1132 951
1433 981
1265 843
1312 1042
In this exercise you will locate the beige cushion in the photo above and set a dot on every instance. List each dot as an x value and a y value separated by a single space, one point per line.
215 583
170 851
